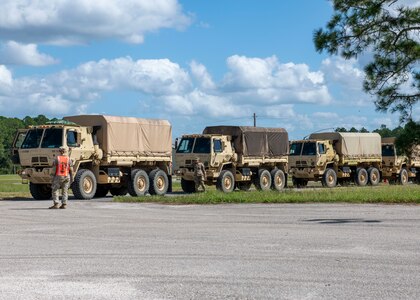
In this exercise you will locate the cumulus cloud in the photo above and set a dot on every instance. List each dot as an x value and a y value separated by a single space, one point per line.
13 53
66 22
269 81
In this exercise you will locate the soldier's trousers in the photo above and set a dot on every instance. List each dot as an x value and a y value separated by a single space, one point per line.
63 183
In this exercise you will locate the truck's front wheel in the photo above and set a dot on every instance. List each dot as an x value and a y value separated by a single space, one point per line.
84 185
329 179
187 186
403 177
158 182
40 191
225 181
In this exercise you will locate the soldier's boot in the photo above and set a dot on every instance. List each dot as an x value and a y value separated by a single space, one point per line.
63 206
55 206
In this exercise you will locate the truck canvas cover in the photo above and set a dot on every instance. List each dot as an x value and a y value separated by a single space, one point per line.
255 141
127 136
352 145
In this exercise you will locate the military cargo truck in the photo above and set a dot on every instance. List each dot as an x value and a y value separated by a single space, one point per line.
235 157
109 154
335 157
396 168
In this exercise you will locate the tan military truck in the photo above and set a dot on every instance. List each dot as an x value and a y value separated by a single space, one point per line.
109 154
335 157
235 157
397 168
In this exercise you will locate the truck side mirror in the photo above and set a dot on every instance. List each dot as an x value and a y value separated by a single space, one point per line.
176 143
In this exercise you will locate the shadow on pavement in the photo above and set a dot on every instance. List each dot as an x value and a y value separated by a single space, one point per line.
341 221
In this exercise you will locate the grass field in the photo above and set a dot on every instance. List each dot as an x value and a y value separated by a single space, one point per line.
11 187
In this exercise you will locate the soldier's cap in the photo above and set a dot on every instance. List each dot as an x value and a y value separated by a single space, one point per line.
62 149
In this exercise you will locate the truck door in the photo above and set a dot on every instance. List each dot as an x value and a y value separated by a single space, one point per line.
17 142
321 153
218 155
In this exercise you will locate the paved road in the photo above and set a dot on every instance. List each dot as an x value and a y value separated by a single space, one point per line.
106 250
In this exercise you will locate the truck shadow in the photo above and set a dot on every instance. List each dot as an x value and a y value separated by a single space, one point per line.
341 221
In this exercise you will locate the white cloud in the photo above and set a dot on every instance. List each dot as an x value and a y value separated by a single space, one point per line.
6 79
267 80
78 21
13 53
202 76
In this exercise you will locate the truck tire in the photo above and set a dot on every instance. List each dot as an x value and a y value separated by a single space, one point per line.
278 179
226 181
374 176
361 177
101 190
158 182
187 186
118 191
243 185
84 185
403 179
263 181
40 191
138 184
329 179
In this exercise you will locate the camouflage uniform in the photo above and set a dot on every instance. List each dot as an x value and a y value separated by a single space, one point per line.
199 175
61 182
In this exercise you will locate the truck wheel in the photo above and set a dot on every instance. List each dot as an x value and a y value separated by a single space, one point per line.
118 191
158 182
403 180
101 191
278 179
329 179
243 185
263 181
361 177
187 186
40 191
84 185
138 184
374 176
226 181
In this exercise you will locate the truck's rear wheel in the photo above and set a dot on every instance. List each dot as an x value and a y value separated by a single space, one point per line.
278 179
403 177
101 190
225 181
40 191
139 183
158 182
84 185
243 185
187 186
263 181
374 176
329 179
361 177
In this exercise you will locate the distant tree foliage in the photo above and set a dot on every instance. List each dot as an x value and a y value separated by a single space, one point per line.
392 33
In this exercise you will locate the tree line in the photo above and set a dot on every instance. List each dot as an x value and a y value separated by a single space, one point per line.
407 136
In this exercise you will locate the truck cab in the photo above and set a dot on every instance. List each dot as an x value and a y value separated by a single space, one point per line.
309 159
395 168
214 151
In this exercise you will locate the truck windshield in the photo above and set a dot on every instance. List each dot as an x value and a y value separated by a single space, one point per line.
185 146
388 150
32 139
309 148
202 145
295 149
53 138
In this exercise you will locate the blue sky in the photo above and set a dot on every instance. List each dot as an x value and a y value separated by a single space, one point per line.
193 62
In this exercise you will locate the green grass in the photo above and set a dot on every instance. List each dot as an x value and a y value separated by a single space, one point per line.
11 187
409 194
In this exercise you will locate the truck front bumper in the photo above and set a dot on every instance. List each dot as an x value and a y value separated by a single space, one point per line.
37 176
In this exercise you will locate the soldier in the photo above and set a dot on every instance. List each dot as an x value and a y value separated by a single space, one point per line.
199 174
63 176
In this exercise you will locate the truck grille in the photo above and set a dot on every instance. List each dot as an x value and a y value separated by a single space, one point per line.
188 162
40 161
301 163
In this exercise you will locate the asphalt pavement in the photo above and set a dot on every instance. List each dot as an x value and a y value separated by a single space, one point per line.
105 250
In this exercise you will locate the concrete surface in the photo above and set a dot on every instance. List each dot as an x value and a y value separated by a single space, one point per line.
106 250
